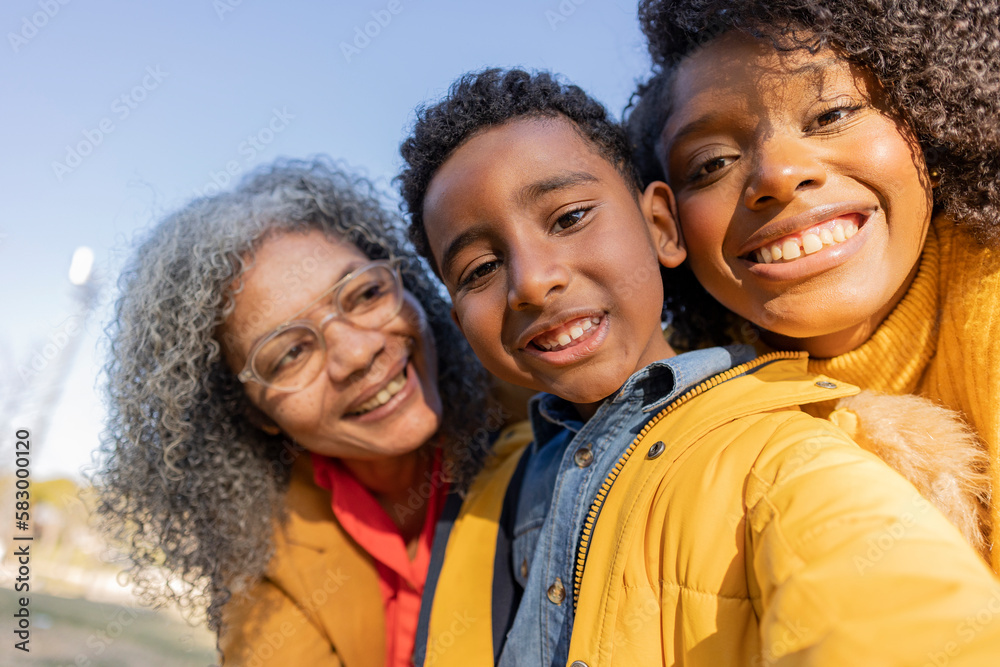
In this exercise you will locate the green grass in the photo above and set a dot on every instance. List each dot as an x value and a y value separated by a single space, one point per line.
70 631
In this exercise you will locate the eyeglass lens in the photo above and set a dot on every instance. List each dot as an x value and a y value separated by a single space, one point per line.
293 357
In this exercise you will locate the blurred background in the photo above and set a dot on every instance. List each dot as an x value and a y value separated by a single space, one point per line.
115 113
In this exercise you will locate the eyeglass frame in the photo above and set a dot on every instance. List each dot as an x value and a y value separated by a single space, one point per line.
249 374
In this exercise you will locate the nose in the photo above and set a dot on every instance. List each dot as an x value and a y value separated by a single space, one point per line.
534 275
784 168
350 350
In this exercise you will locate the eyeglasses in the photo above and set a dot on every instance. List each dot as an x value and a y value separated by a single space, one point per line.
294 354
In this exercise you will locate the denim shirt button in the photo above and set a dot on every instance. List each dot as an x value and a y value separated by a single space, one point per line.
557 592
583 457
524 568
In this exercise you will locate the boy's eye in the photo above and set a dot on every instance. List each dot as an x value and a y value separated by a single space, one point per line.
570 218
478 274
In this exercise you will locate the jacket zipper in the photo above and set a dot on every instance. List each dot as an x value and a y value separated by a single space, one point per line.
595 507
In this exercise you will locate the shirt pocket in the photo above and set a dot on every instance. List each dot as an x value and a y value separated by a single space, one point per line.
523 549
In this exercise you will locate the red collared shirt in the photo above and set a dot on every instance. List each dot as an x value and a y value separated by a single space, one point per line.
401 580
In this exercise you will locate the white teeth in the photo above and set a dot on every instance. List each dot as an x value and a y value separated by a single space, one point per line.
384 395
811 243
790 250
807 244
575 332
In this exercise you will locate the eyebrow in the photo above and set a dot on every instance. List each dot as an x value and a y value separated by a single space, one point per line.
698 125
708 120
528 194
462 241
350 268
533 191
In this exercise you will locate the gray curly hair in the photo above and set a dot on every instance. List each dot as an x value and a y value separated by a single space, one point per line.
186 482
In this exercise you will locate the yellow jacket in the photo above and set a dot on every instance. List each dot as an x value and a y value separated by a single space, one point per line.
319 604
942 342
737 530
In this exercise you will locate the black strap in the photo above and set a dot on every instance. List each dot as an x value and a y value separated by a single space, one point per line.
452 504
506 590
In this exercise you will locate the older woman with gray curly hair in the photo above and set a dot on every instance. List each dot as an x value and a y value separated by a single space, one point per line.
282 428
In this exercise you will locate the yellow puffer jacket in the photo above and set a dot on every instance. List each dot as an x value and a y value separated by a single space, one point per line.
737 530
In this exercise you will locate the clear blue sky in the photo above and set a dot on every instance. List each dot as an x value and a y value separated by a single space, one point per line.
114 113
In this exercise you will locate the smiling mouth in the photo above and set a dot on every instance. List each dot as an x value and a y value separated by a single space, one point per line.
383 396
565 335
792 247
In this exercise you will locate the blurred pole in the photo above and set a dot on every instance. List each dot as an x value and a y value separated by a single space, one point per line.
85 293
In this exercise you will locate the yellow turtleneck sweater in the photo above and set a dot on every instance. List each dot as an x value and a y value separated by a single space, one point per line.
942 342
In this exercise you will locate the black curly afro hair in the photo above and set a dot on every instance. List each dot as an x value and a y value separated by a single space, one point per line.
938 61
481 100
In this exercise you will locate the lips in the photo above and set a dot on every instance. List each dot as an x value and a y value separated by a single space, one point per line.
799 233
565 335
810 241
383 396
565 339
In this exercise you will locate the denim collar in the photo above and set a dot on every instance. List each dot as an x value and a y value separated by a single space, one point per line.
648 389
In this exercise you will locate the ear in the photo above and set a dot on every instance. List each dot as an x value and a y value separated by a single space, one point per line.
660 210
260 420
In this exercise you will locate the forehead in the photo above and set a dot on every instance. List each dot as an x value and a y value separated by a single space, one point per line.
735 73
496 167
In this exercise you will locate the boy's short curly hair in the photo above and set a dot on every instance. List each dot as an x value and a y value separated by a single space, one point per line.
939 63
481 100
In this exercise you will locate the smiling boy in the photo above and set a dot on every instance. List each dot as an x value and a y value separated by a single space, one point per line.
673 508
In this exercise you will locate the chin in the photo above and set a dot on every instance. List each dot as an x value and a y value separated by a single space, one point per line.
418 429
587 394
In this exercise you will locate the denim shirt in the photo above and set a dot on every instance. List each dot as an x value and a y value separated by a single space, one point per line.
569 461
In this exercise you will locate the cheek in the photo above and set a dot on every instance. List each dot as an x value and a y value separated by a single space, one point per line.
704 236
894 165
481 325
297 415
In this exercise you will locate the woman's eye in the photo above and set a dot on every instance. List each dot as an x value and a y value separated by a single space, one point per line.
364 296
833 116
292 356
571 218
711 166
473 277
